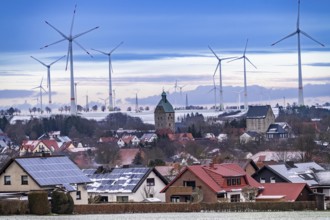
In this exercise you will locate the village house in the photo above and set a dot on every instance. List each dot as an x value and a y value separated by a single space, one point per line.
273 157
25 174
285 192
128 141
278 131
148 139
182 138
258 118
211 183
315 176
31 147
250 136
134 184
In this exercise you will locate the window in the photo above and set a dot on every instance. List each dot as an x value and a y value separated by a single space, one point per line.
104 199
235 198
7 180
122 198
175 199
233 181
150 181
190 183
78 195
272 180
24 180
262 180
228 182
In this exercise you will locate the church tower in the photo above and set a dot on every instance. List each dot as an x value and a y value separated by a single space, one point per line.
164 115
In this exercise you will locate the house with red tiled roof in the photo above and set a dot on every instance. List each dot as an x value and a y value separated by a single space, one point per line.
108 140
285 192
225 182
181 137
39 146
128 140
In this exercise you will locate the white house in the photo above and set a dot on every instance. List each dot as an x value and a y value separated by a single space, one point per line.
126 184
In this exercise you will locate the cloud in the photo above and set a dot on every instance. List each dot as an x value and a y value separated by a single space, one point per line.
9 94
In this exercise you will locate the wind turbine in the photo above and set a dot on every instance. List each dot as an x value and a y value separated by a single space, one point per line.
239 98
245 86
220 76
215 93
298 32
105 101
70 38
40 87
110 72
48 76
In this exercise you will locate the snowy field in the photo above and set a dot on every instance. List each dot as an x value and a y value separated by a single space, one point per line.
191 216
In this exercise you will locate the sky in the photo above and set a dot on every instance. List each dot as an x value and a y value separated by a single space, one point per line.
164 42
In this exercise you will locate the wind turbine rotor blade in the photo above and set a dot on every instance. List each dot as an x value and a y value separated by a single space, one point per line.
228 58
304 33
298 14
116 47
43 88
111 69
214 53
36 87
247 40
290 35
215 71
250 62
39 61
238 58
78 35
74 13
82 48
57 60
100 52
57 30
67 58
53 43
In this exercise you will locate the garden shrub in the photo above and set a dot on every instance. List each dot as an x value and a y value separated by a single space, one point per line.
62 203
38 203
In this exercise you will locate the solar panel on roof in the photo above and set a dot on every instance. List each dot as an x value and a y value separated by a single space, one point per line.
52 170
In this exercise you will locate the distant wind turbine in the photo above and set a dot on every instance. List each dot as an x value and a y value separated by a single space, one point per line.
220 76
245 84
70 39
40 87
298 32
48 76
110 73
105 101
214 89
239 98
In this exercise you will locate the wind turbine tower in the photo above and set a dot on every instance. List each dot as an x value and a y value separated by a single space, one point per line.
48 76
70 38
298 32
110 73
245 84
220 76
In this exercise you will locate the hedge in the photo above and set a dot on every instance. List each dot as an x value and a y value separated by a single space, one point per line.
117 208
38 203
14 207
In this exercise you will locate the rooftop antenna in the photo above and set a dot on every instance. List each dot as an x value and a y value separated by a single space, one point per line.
40 87
245 84
220 76
70 39
110 73
48 76
298 32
